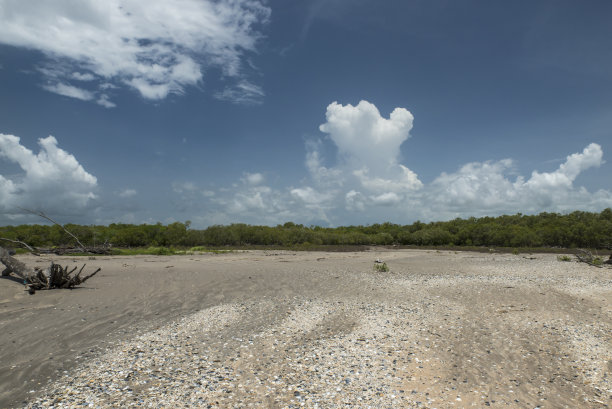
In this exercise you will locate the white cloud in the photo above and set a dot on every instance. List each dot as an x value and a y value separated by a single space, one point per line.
353 190
367 173
368 183
83 77
254 203
252 199
355 201
253 178
368 169
155 47
386 199
243 92
403 180
125 193
105 102
69 91
363 137
310 196
484 188
107 85
321 174
52 180
250 204
368 148
182 187
591 156
474 185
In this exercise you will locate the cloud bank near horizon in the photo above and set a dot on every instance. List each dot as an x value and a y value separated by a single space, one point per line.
368 184
155 47
365 183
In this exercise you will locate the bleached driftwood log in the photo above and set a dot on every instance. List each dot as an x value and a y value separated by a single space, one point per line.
586 256
54 276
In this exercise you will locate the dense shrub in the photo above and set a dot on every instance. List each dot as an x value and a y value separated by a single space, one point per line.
577 229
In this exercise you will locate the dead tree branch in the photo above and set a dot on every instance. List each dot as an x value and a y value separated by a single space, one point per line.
586 256
609 247
44 216
54 276
26 245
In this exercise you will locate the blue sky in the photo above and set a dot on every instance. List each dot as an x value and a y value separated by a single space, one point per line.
319 112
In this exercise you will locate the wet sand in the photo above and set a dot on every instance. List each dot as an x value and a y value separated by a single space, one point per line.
284 329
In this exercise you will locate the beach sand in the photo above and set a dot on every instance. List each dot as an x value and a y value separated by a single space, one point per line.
312 329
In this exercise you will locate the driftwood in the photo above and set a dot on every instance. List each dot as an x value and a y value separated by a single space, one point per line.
60 251
44 216
22 244
80 248
586 256
54 276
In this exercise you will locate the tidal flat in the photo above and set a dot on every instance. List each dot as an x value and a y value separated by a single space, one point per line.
282 329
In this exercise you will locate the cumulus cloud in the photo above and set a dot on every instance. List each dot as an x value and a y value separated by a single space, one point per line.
322 175
259 204
155 47
474 185
367 183
364 137
52 180
310 196
251 200
355 201
367 173
485 188
251 197
368 149
386 199
403 179
563 177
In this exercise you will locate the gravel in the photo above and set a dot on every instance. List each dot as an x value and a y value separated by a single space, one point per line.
483 331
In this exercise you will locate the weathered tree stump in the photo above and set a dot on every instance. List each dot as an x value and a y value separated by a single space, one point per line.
54 276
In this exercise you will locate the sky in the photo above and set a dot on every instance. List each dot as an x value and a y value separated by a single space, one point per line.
320 112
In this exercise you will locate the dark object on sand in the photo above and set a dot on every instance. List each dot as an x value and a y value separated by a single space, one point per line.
586 256
54 276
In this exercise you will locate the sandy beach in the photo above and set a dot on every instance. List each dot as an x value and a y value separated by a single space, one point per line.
283 329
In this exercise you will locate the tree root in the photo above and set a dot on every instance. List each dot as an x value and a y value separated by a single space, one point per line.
54 276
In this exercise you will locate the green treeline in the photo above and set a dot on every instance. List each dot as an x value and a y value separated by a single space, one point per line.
577 229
